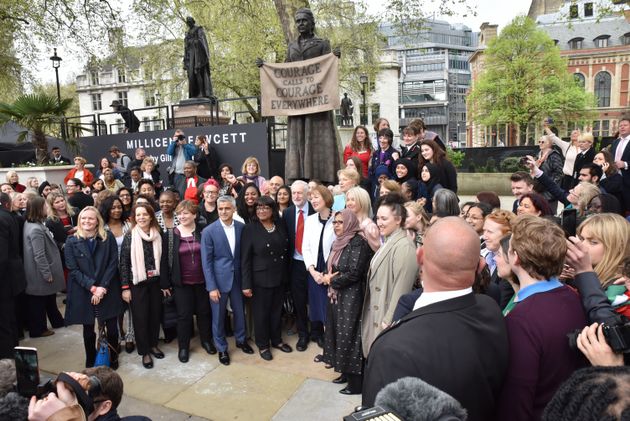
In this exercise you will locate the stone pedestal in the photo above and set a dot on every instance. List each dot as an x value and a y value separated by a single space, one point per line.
193 112
54 174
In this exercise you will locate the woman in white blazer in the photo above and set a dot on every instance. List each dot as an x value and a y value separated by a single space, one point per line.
316 245
44 271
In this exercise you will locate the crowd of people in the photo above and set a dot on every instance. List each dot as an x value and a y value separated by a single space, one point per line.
385 271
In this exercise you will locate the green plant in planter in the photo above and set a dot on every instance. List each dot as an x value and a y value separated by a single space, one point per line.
39 114
456 157
491 165
512 164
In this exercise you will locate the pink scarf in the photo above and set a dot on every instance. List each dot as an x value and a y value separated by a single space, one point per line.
138 268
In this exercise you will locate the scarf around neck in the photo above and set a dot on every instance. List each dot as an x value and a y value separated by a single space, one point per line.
138 267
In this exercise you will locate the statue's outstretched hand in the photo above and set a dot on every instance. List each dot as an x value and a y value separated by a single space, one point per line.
259 62
337 51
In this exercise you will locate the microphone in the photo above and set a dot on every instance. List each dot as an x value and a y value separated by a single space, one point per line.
415 400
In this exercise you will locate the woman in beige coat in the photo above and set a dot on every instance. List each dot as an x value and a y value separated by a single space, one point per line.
392 272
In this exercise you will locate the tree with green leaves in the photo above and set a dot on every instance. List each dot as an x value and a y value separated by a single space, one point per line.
524 80
39 114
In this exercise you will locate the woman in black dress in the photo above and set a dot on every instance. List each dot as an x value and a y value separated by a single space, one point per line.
264 267
348 264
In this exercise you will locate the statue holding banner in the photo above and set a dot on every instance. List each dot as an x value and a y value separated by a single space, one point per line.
313 150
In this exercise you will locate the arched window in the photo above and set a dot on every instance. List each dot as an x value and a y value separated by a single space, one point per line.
601 41
602 89
579 79
625 39
576 43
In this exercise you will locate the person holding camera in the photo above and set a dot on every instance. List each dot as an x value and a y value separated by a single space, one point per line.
537 327
181 151
93 394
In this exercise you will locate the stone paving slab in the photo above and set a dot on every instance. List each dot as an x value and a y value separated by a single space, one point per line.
238 392
318 400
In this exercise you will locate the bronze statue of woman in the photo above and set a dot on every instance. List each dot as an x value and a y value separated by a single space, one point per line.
313 148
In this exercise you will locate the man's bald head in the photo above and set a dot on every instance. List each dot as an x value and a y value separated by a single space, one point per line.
449 256
274 184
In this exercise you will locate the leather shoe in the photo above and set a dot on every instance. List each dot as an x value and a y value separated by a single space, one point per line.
114 364
183 355
209 347
302 344
283 347
129 347
147 361
347 391
320 342
224 358
157 353
341 379
43 334
245 347
265 354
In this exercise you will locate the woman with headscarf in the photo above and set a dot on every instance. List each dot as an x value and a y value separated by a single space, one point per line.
428 184
404 169
348 264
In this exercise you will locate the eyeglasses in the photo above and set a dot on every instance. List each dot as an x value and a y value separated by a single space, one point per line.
337 222
211 192
263 207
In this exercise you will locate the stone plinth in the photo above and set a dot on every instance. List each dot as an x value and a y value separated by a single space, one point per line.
198 112
54 174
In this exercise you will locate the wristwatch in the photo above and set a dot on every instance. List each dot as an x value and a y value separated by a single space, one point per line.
625 165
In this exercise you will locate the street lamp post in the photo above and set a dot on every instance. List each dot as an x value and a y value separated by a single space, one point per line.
364 116
56 62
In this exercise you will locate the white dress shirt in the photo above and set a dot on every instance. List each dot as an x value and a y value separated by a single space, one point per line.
428 298
230 233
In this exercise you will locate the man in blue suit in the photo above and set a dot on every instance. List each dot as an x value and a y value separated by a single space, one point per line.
221 261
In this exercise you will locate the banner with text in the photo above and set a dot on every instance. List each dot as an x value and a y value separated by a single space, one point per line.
300 87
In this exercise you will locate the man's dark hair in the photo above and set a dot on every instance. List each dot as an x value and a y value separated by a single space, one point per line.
594 169
111 384
522 176
135 169
592 394
77 182
145 181
5 201
54 148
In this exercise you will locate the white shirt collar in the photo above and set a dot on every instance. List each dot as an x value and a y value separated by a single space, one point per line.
227 226
428 298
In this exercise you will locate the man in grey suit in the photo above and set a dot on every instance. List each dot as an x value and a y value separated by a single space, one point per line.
221 261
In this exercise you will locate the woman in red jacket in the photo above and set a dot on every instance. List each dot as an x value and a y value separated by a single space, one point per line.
79 171
359 146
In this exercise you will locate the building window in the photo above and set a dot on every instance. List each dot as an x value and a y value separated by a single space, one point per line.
94 77
149 100
579 79
588 9
625 39
602 89
576 43
376 111
122 76
573 11
122 97
601 41
96 102
120 126
147 124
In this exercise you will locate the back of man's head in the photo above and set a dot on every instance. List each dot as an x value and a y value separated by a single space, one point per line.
111 384
446 266
539 245
5 201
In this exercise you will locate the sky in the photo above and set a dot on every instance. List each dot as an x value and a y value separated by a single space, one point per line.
499 12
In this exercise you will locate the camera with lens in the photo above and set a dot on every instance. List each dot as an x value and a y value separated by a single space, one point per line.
617 335
523 161
181 138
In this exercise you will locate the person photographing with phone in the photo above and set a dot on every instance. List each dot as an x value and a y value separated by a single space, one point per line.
181 151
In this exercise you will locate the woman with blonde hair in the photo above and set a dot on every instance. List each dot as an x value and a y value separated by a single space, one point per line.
251 173
358 201
13 179
62 220
607 238
416 223
93 288
348 178
80 172
150 172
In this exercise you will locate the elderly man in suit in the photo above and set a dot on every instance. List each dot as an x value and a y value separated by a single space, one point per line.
621 153
294 219
454 340
221 261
